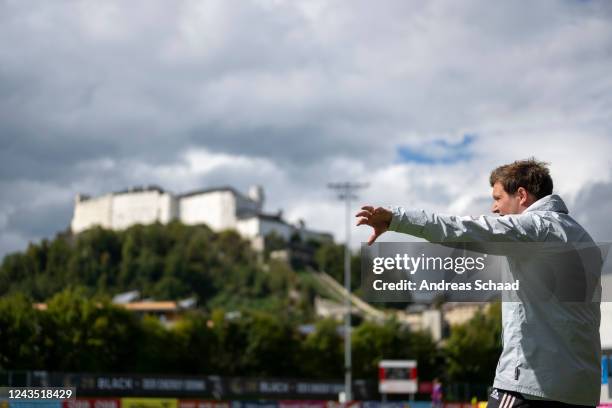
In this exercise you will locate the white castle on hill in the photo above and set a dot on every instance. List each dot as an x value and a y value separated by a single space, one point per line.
220 208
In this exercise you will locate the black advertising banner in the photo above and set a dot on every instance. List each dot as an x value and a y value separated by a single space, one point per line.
205 386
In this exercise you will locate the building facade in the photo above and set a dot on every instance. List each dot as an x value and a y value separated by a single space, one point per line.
220 208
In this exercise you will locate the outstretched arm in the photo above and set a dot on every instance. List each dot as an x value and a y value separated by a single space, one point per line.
449 228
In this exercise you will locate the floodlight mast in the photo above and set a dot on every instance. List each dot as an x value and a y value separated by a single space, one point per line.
345 191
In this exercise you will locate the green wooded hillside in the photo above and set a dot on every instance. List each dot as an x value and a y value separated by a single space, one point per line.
167 262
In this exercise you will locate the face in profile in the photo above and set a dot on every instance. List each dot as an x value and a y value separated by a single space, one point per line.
504 203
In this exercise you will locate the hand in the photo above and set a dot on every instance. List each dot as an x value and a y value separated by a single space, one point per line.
378 218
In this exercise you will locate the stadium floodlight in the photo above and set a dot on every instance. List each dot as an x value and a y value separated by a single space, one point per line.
345 191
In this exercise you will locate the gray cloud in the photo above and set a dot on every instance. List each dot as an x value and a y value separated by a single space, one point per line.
592 208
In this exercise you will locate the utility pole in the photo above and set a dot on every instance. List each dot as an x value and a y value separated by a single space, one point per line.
345 191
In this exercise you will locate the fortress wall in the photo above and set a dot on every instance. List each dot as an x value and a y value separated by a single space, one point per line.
168 208
215 209
91 212
138 207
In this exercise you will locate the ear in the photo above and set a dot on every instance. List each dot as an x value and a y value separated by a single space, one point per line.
523 195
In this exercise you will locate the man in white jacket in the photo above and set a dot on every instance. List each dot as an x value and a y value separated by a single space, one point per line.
551 349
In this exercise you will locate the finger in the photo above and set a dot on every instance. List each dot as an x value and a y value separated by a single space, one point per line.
372 238
364 213
362 221
368 208
379 210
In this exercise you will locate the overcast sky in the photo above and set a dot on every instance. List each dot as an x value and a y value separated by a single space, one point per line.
420 99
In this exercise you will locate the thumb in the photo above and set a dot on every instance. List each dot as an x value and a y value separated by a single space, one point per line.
373 238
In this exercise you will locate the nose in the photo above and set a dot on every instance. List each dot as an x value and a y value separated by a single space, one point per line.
494 208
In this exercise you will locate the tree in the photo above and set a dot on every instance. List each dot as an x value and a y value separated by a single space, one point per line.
19 334
473 348
373 342
271 346
197 343
230 341
322 355
158 348
330 259
84 334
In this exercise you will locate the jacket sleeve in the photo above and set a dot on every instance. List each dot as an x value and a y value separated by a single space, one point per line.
452 228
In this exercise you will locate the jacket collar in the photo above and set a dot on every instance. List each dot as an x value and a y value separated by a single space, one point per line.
551 202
